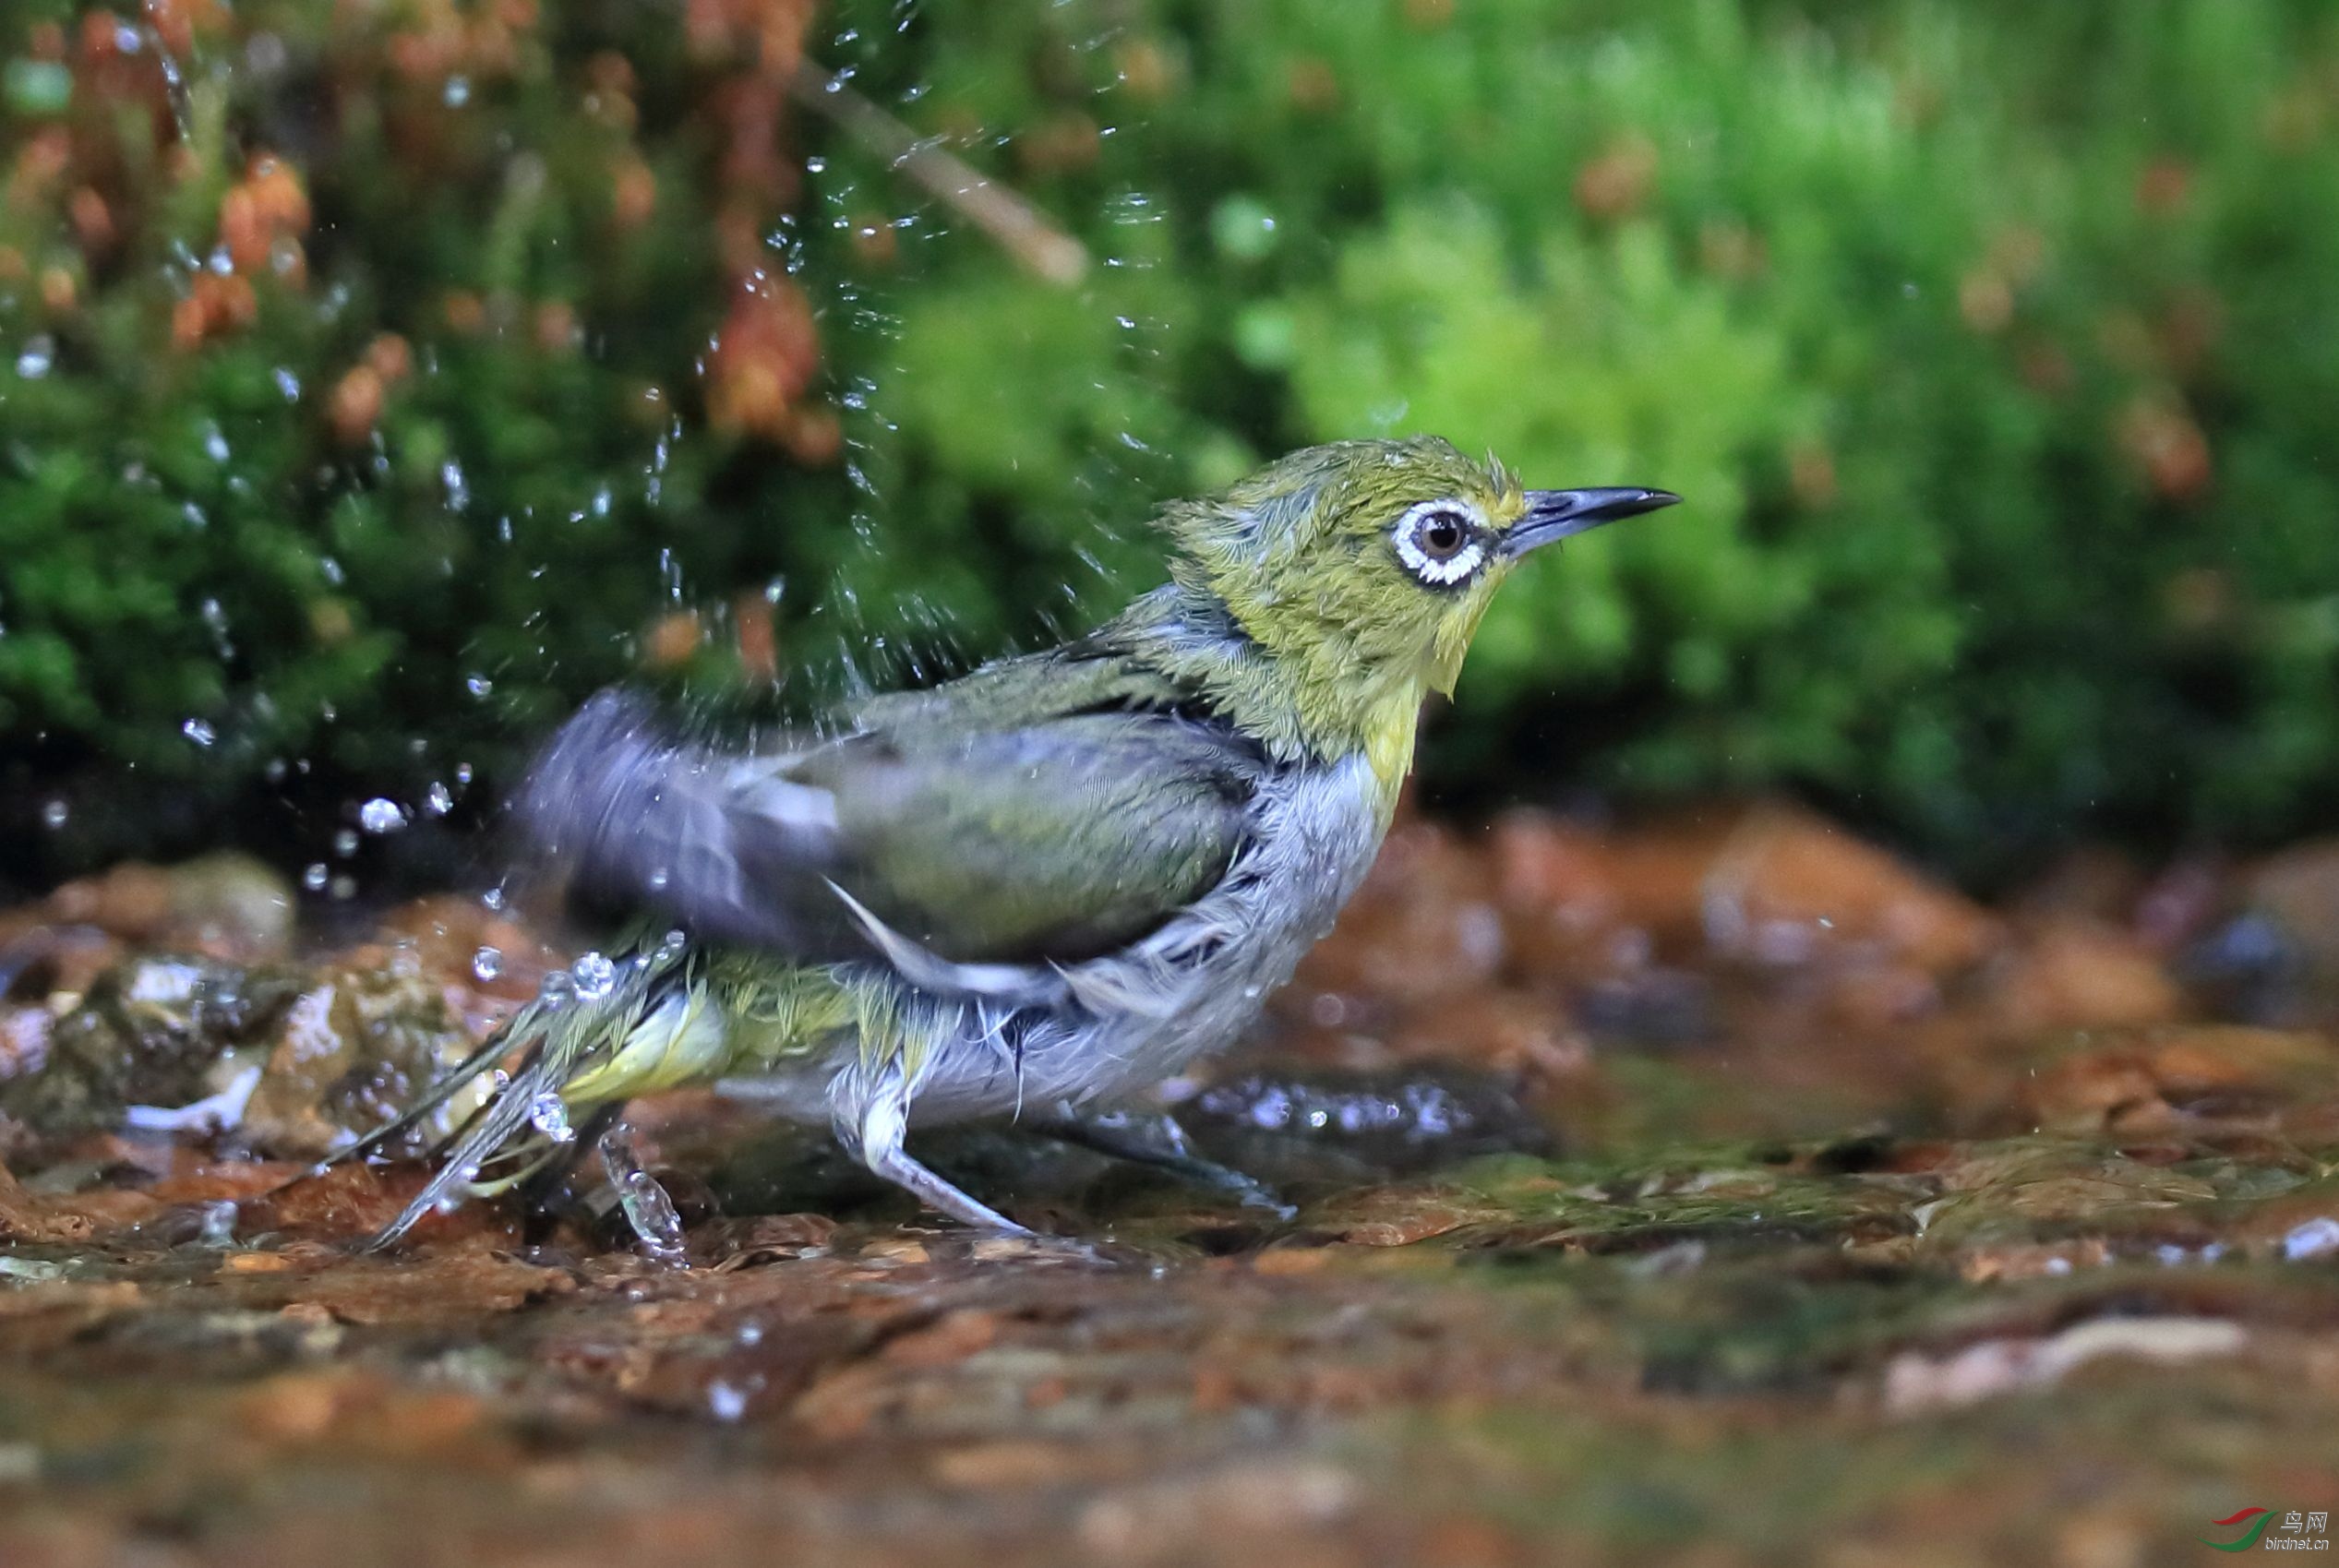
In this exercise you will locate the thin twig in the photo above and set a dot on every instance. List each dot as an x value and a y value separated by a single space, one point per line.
1022 229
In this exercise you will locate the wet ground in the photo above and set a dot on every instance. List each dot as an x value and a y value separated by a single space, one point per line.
1713 1192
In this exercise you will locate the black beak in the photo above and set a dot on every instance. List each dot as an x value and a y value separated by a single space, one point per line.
1562 514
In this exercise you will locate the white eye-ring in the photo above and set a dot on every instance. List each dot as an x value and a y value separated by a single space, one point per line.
1441 542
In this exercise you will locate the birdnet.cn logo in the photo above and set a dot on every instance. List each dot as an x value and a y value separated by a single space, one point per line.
2262 1528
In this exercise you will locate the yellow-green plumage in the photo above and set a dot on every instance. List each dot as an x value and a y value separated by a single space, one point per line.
1060 875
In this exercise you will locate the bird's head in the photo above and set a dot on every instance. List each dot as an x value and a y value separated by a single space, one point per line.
1363 567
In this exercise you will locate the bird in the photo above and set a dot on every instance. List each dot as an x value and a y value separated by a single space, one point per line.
1051 881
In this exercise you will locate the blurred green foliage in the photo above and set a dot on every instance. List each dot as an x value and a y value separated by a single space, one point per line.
1994 347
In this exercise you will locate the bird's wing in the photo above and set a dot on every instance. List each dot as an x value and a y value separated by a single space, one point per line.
1049 838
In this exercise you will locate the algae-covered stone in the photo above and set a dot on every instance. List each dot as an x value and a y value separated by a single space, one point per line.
152 1033
289 1062
355 1048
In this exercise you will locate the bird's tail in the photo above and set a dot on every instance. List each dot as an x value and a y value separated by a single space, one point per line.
581 1021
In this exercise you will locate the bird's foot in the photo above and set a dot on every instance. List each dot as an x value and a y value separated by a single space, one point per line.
878 1141
1154 1139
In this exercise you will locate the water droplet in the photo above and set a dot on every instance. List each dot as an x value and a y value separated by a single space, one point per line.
315 876
345 888
345 842
198 732
219 1224
54 815
288 384
2313 1240
458 91
594 975
439 801
551 1117
487 963
381 815
478 686
39 357
215 445
724 1402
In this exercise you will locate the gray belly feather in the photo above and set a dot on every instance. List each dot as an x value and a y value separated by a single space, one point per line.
1133 1018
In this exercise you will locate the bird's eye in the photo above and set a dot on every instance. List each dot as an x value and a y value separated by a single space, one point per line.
1439 543
1442 536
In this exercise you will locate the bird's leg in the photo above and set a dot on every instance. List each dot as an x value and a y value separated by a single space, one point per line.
647 1207
877 1142
1157 1140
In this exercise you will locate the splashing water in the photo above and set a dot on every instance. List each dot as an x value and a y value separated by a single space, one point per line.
550 1117
594 975
644 1204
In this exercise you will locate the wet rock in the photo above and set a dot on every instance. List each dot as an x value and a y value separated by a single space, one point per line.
2299 890
1286 1127
1876 998
290 1063
29 1216
1787 888
24 1039
2298 1227
1916 1383
485 961
226 906
2075 975
347 1203
1500 1031
1582 902
2275 958
2089 883
1772 886
162 1032
1656 1009
1422 926
2159 1079
49 965
355 1048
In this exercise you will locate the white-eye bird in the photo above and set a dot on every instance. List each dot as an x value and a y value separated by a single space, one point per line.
1057 878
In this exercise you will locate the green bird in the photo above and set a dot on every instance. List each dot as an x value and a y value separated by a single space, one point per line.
1054 880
